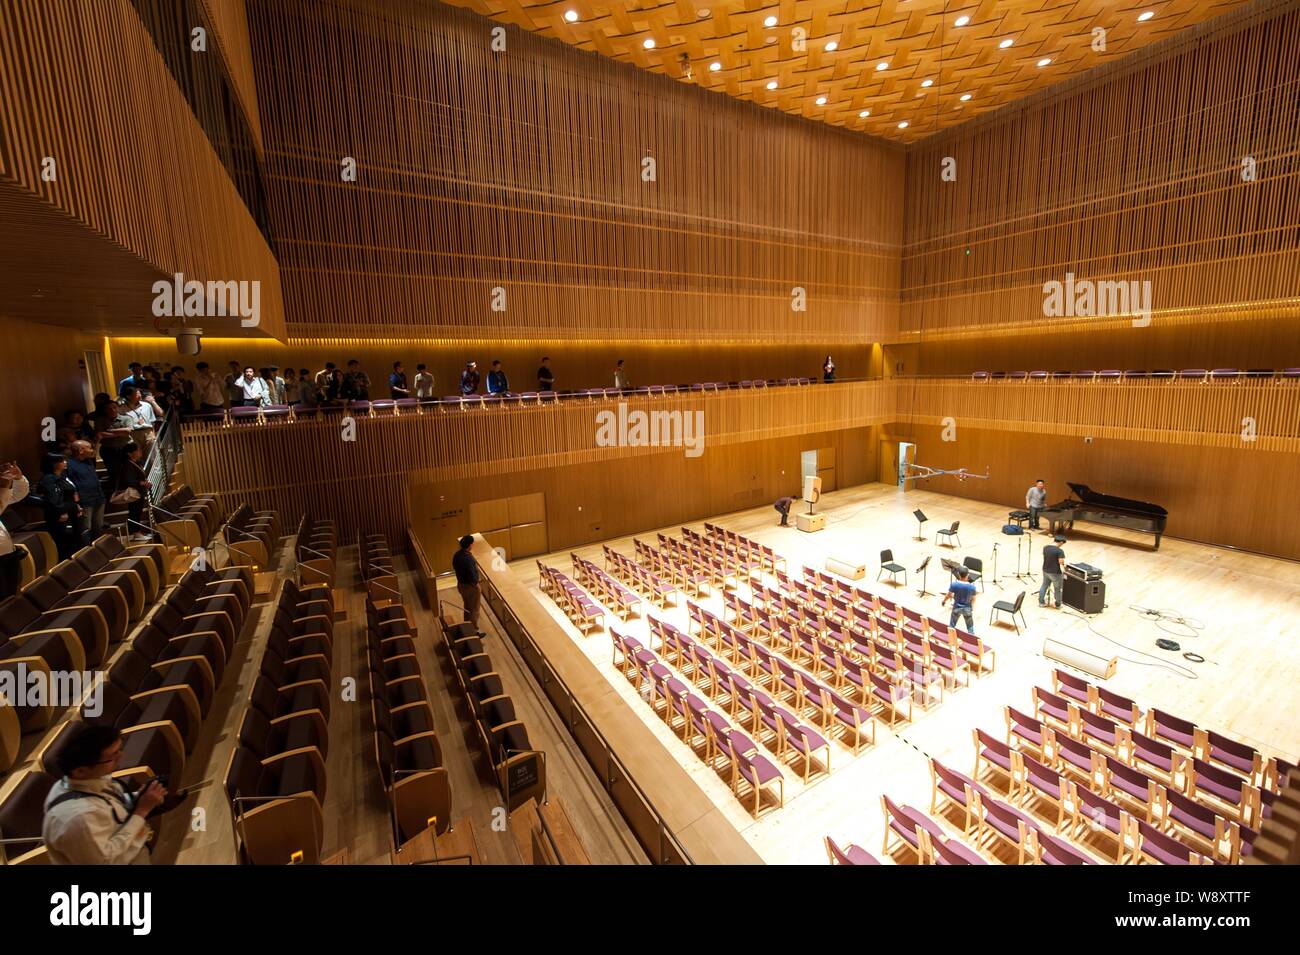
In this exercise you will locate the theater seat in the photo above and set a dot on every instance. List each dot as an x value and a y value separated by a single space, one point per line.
295 731
21 814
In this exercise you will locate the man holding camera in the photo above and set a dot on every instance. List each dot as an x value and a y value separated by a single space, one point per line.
90 819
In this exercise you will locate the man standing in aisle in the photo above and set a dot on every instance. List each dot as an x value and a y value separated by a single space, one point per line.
962 592
1035 500
467 576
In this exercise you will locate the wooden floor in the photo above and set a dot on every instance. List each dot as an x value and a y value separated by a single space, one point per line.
355 811
1246 687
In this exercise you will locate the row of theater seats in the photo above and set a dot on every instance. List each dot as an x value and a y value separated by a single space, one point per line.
377 569
67 620
408 755
185 519
518 769
251 536
157 690
316 546
1160 374
276 777
38 546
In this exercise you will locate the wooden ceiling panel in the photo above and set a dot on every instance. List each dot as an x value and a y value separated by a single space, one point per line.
917 39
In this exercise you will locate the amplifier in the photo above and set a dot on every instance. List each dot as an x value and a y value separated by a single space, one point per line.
1083 571
1086 595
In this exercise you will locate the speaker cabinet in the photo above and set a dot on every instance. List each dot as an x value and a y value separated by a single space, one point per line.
1086 595
812 489
846 568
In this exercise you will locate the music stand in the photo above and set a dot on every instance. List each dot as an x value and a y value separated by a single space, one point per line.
921 570
1029 563
920 520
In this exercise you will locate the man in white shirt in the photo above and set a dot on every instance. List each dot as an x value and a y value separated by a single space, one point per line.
139 416
209 389
423 383
251 389
13 488
90 819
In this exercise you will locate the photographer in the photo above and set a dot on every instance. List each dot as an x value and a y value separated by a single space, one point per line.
90 819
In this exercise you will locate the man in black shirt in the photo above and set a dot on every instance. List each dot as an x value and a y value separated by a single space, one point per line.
467 574
545 377
1053 576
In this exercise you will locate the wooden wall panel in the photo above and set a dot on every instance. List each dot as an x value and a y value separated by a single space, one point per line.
85 85
49 382
1134 174
577 365
228 20
522 170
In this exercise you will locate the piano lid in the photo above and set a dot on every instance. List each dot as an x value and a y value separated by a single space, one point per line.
1088 496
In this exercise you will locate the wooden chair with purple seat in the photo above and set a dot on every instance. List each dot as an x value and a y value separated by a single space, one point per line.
849 855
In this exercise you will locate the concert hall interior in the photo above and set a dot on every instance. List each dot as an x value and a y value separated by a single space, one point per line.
534 432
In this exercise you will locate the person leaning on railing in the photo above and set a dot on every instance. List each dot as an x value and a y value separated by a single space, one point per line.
13 488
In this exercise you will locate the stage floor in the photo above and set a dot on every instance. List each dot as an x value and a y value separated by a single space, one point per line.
1246 687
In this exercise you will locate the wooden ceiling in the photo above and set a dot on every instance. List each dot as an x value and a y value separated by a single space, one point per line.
930 63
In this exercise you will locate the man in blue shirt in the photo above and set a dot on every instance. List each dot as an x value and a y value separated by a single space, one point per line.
497 383
133 380
962 592
90 494
397 382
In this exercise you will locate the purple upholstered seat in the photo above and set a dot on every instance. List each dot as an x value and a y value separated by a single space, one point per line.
850 855
1056 851
1135 373
1039 376
1163 848
952 852
1225 374
1173 729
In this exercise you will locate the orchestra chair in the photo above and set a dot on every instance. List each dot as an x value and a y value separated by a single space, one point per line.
948 534
1010 607
888 565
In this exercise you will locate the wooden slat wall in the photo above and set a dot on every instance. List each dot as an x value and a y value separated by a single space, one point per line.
1134 175
522 170
83 83
228 20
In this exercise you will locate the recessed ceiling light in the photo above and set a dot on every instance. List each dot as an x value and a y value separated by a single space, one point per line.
1006 43
965 97
926 84
649 43
571 16
821 101
864 114
961 21
715 66
882 65
903 125
771 84
1145 16
770 22
1044 61
831 45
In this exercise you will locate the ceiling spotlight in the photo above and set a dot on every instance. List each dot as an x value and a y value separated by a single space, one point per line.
926 84
831 45
821 101
715 66
648 43
1044 61
571 16
1006 43
903 125
961 21
882 65
1145 16
771 84
965 97
770 22
864 114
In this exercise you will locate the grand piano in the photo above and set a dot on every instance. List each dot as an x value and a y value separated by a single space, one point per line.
1088 505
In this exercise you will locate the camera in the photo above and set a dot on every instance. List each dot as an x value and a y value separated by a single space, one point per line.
189 341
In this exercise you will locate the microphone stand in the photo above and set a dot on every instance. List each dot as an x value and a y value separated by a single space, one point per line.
996 581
